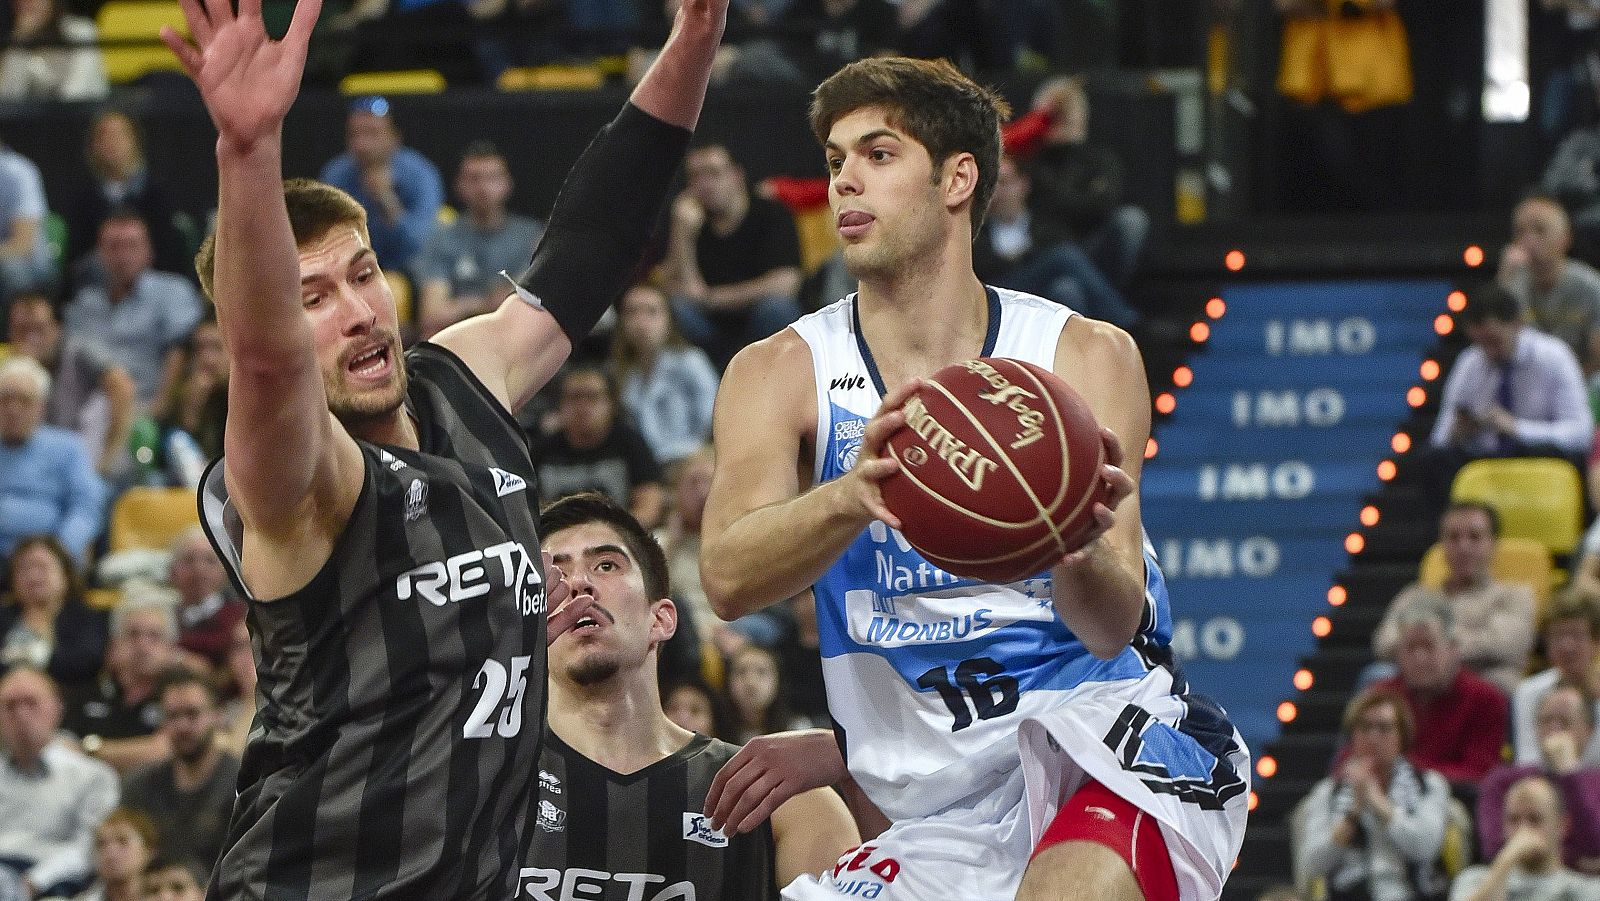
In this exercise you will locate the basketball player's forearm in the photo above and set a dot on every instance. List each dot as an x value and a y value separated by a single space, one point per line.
1100 601
256 284
775 552
674 88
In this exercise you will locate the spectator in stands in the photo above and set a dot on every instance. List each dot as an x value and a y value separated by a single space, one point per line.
1565 727
44 622
976 35
192 412
800 656
693 705
1529 867
459 270
123 846
1493 619
1461 718
1571 646
1571 176
754 696
208 612
397 186
189 795
593 449
47 479
52 796
239 675
51 55
1560 293
1077 190
733 259
746 55
175 879
667 384
821 36
26 263
1515 391
1012 251
1375 829
140 316
118 177
116 716
89 393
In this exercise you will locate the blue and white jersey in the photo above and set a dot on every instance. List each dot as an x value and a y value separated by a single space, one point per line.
928 674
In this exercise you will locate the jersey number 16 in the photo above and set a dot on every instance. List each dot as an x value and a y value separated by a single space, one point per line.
993 696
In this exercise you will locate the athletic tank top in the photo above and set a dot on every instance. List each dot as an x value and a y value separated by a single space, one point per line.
400 700
929 674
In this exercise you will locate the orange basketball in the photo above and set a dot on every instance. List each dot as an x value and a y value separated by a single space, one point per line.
999 470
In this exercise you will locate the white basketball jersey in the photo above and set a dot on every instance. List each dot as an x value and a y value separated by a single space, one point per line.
929 674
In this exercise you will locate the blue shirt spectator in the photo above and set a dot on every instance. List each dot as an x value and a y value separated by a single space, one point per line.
24 253
47 478
138 315
397 186
667 384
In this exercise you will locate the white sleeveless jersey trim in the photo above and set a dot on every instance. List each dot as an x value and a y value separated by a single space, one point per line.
928 674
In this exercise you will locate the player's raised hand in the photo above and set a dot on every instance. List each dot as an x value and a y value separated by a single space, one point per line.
1119 485
767 771
566 603
872 465
248 80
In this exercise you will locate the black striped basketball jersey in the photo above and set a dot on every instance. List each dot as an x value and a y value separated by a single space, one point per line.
601 835
400 700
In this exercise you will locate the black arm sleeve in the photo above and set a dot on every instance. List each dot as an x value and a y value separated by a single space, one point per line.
603 217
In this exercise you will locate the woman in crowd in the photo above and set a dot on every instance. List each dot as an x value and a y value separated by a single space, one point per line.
44 621
123 845
691 704
117 176
192 412
51 55
667 384
1375 829
754 696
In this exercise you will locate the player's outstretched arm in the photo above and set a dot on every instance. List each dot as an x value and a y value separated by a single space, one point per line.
1099 589
762 541
601 220
290 467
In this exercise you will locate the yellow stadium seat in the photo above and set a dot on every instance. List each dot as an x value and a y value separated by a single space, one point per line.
404 81
151 517
138 23
101 598
818 237
553 77
1521 560
1538 498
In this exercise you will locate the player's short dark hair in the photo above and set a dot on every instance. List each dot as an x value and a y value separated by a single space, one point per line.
1378 697
592 506
164 862
1484 507
1576 602
1490 301
180 676
314 210
947 112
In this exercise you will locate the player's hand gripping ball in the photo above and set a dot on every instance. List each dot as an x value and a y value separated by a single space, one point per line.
999 470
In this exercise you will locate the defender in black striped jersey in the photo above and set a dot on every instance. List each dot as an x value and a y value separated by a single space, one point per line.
622 788
374 508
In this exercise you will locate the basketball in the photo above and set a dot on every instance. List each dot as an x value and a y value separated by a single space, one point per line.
999 470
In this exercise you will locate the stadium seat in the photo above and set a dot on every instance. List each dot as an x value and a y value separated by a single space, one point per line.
818 237
151 517
553 77
1538 498
404 81
137 24
1516 560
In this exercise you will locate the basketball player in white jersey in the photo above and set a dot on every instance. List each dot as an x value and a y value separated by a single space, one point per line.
1033 740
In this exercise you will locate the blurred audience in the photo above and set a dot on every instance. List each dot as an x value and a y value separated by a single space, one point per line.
594 449
138 315
44 622
208 611
459 269
754 696
1565 727
693 705
1528 867
733 259
1515 391
821 36
667 384
1493 620
1375 829
1461 719
118 177
48 482
52 796
747 54
116 716
26 260
189 794
89 393
1572 647
1561 294
51 55
397 186
175 879
123 846
239 674
192 413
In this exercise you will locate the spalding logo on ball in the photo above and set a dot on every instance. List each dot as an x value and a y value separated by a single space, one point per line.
999 469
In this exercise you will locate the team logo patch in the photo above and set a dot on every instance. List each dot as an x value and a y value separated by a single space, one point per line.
507 482
389 460
551 817
416 500
697 828
549 782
